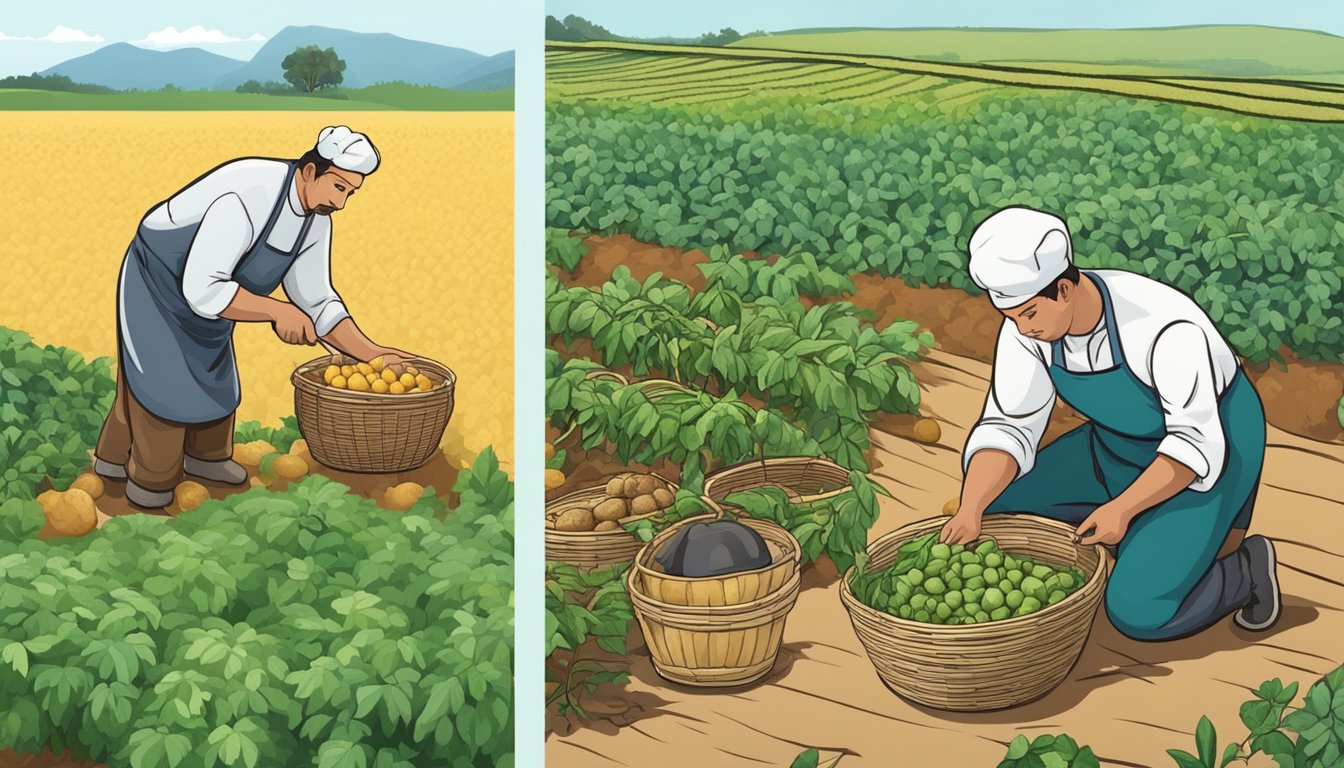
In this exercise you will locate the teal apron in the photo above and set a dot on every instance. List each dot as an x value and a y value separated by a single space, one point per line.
1164 583
180 365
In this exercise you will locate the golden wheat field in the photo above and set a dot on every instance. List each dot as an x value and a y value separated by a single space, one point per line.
422 256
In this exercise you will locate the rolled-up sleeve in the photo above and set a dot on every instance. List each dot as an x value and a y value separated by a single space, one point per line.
225 234
308 284
1183 377
1017 408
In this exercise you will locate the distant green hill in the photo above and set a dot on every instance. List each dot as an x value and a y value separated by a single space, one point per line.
1245 51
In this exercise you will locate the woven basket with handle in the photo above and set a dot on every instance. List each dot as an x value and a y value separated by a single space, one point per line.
370 432
997 664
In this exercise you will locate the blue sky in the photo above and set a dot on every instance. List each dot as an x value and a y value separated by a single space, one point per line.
237 27
693 17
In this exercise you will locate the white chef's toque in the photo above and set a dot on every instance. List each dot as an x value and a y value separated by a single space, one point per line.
347 150
1017 252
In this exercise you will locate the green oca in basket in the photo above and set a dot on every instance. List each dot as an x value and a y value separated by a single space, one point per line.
367 431
1010 651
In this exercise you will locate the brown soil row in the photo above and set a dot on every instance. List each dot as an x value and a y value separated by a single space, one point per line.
1302 398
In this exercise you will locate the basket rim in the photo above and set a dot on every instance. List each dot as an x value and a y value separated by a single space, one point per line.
309 386
795 555
582 535
852 602
786 594
763 463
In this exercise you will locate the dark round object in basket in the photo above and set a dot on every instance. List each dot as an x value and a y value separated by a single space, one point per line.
714 548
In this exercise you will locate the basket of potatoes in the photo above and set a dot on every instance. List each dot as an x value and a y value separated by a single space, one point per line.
585 528
370 417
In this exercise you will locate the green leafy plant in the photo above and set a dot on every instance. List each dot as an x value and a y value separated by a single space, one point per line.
835 527
281 437
584 609
564 250
52 406
1047 751
1340 412
783 279
894 187
309 627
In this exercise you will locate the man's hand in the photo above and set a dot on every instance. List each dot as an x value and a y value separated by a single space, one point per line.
394 356
293 325
961 528
1107 525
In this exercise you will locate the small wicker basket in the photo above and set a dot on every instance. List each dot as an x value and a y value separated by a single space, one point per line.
729 589
370 432
998 664
593 549
714 646
805 479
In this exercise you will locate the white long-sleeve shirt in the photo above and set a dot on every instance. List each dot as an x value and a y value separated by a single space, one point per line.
231 204
1169 343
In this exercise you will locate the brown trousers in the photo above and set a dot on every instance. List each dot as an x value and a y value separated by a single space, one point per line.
152 448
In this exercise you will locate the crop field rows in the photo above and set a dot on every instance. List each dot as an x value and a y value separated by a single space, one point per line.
686 75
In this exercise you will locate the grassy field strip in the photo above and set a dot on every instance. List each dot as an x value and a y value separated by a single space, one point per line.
568 58
673 70
740 75
720 84
838 76
641 65
1135 87
957 96
1291 94
902 85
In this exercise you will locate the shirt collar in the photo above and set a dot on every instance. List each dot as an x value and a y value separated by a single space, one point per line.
295 205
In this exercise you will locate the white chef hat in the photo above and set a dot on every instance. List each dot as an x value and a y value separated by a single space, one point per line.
1017 252
347 150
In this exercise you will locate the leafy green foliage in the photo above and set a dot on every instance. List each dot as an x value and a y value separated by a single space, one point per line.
783 279
895 188
564 250
824 367
281 437
694 429
308 627
52 407
584 608
1047 751
1318 728
808 758
1340 412
836 527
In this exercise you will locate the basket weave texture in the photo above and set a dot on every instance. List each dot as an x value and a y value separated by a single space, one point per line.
998 664
593 549
370 432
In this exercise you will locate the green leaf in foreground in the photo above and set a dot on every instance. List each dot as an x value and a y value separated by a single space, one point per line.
808 758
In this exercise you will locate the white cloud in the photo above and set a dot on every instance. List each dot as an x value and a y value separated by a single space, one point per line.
170 37
57 35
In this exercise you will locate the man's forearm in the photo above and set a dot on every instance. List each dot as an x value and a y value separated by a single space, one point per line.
989 472
347 337
1163 479
248 307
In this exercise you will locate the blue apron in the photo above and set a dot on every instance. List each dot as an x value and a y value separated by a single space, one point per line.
179 365
1169 548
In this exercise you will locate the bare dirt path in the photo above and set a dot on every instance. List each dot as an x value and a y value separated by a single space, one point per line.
1129 700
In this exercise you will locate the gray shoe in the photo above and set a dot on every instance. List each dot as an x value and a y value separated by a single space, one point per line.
147 499
1265 604
227 471
108 470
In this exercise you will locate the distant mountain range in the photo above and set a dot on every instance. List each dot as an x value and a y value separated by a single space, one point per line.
370 58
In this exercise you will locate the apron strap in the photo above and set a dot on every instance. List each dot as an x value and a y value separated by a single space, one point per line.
1112 332
280 202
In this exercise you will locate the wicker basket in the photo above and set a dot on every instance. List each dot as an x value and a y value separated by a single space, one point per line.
592 549
713 646
805 479
729 589
366 431
981 667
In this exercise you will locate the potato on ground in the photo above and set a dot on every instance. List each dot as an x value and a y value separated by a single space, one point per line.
578 519
300 448
952 505
71 513
928 431
290 467
402 497
90 484
190 494
549 451
554 479
252 453
611 509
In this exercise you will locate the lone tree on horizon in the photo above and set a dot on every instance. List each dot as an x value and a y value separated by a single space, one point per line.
310 68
